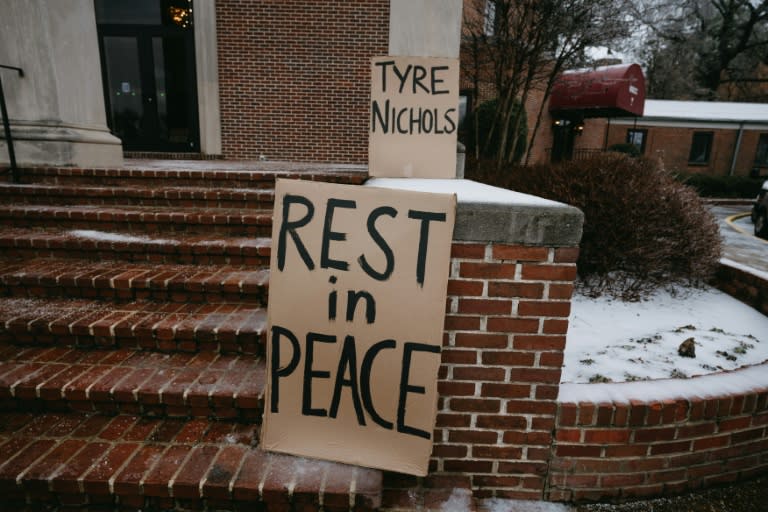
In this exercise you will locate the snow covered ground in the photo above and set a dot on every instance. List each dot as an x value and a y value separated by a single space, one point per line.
614 341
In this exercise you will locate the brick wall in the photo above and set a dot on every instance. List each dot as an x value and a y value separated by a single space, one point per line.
673 145
294 77
636 448
627 450
506 319
744 285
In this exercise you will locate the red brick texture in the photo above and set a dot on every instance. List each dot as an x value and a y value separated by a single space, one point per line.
294 77
629 450
672 145
504 338
744 286
129 462
610 451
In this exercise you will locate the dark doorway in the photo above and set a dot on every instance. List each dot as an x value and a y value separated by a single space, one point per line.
562 140
148 72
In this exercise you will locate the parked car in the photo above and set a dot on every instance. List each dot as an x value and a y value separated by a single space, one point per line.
760 212
760 195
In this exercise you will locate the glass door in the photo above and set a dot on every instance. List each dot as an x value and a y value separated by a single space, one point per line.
148 73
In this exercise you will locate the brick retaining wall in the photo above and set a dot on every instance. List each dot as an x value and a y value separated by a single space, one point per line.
749 287
636 449
507 428
513 264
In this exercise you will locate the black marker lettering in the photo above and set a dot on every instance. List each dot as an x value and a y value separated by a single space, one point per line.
403 77
290 227
425 218
347 362
436 80
276 333
309 374
365 382
385 248
328 234
406 388
419 74
383 66
383 119
449 118
353 298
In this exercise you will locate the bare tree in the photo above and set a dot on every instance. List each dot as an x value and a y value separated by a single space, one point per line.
521 46
704 49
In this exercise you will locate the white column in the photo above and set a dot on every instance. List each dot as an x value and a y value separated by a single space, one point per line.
57 108
207 64
425 28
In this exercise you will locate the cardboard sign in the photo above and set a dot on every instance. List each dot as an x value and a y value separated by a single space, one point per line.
414 117
357 297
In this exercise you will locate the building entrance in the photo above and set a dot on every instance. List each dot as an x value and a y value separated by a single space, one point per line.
148 73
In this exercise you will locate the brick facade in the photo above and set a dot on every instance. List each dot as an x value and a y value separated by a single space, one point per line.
672 145
294 77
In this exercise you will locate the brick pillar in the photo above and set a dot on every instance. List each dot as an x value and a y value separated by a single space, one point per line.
506 321
509 296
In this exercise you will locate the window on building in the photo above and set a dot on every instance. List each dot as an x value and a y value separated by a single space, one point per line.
489 24
701 147
761 157
638 138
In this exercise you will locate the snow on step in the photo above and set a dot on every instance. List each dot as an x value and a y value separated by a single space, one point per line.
89 459
224 174
133 382
141 218
224 327
250 198
115 280
107 245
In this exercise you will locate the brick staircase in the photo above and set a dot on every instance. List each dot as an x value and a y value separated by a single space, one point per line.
132 314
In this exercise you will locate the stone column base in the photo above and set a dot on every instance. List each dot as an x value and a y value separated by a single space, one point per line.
62 145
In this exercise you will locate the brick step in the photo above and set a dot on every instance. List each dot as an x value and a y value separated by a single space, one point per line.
167 173
166 248
165 327
140 219
151 384
124 281
198 197
89 461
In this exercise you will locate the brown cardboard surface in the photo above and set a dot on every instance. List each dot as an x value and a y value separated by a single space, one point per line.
384 416
419 88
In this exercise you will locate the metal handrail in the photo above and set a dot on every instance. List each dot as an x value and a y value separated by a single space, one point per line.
7 125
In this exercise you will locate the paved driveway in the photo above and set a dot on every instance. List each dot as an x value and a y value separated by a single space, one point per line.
739 244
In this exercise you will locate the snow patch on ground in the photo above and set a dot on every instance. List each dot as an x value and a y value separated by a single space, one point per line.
753 378
499 505
614 341
459 501
104 236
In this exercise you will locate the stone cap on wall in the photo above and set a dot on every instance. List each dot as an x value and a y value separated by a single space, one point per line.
491 214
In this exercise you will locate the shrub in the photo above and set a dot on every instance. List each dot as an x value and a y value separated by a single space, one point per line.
626 148
643 230
722 186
